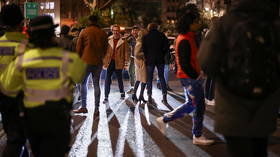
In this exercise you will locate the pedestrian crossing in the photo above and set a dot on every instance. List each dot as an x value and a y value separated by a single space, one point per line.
124 128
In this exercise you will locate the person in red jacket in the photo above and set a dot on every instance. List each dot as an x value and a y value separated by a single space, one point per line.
188 71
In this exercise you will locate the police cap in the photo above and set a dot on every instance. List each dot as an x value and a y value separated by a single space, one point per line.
11 15
44 22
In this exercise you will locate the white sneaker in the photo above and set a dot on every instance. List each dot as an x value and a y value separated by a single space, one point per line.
161 125
211 103
202 140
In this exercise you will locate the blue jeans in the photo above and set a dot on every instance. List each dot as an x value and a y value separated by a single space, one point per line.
108 80
166 74
95 73
194 102
150 72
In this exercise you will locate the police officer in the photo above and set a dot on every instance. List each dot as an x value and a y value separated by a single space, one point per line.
11 19
45 73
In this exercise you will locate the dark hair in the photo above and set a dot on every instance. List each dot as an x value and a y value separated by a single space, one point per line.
152 26
187 9
93 18
64 30
184 22
11 15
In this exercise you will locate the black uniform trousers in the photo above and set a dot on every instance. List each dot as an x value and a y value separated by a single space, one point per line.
48 128
13 126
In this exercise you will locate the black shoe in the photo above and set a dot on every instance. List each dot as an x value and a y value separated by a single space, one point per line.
142 100
158 86
81 110
168 88
105 101
164 99
134 98
150 100
131 91
122 96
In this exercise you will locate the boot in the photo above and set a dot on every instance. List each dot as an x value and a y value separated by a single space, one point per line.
134 98
150 99
141 97
164 99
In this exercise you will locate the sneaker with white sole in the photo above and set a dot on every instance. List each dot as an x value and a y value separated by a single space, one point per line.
202 140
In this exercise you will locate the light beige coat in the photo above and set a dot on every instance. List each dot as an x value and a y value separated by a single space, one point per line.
140 66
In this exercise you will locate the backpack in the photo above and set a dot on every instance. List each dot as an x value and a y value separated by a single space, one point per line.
251 67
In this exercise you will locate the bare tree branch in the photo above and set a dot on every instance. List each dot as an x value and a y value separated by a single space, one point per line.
107 4
91 5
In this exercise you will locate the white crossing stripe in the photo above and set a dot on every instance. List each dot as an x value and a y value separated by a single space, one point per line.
121 138
138 133
104 147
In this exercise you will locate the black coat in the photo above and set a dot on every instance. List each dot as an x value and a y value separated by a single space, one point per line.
235 115
155 46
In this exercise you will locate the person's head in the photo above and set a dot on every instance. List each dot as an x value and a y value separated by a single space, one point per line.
135 31
187 9
40 30
152 26
64 30
116 30
93 19
11 15
189 22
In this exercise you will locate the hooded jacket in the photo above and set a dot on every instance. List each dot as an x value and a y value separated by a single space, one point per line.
237 116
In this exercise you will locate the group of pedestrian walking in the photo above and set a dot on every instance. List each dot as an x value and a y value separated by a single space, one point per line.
37 74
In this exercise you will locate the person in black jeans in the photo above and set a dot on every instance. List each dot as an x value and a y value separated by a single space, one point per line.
155 46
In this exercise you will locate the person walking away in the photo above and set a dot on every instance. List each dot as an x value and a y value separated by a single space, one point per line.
188 71
10 102
140 70
91 46
155 46
131 71
115 60
241 52
166 71
45 74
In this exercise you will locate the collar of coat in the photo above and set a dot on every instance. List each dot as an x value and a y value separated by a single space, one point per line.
111 41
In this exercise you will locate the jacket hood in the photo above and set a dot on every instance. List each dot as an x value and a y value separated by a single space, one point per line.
262 7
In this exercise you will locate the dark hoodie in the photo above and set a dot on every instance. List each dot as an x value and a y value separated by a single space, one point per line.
236 116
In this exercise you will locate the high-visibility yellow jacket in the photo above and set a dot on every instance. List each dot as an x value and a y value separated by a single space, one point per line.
8 48
9 43
43 75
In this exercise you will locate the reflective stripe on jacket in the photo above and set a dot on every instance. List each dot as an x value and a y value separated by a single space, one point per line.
9 44
44 75
8 48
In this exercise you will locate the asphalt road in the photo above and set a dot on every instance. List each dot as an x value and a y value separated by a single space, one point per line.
126 129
